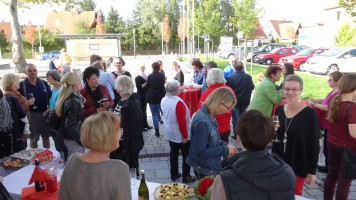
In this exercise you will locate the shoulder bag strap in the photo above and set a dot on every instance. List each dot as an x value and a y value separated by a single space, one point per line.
46 91
347 122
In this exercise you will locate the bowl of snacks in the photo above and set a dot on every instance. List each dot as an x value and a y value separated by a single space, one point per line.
173 191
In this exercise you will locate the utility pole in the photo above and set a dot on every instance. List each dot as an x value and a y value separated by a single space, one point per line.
183 33
188 42
39 36
193 29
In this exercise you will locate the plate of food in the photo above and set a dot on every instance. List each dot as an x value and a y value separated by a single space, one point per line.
44 156
173 191
14 163
27 154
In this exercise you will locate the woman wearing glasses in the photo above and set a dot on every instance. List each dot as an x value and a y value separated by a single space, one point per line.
298 134
206 148
129 110
215 80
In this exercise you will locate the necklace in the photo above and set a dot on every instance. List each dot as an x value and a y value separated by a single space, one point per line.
286 127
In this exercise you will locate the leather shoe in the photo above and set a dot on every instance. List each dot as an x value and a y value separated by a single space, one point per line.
189 179
161 121
173 178
323 169
148 127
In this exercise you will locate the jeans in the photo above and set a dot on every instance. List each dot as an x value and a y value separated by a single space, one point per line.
235 114
336 174
155 109
143 106
175 147
59 144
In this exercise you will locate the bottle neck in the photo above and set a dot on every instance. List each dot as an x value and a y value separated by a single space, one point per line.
143 178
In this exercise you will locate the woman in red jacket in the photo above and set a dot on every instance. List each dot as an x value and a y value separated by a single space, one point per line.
215 79
97 96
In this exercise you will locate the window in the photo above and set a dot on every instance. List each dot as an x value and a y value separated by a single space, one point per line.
93 46
351 53
318 52
292 51
283 51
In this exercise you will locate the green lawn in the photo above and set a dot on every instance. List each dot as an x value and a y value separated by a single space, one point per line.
313 85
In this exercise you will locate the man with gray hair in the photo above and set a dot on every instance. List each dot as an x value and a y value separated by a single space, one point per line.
33 87
65 69
229 69
215 80
105 78
242 85
176 118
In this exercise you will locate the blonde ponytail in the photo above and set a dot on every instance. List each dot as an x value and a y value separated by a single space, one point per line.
334 108
68 80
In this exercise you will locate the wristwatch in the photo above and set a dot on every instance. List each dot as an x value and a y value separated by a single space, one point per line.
312 103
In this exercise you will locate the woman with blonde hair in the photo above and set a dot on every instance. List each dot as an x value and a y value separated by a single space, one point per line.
141 83
206 147
69 107
94 175
337 137
10 84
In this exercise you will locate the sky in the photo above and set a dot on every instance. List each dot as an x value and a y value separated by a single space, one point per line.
308 12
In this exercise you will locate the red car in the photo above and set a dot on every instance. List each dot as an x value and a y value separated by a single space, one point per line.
300 58
275 54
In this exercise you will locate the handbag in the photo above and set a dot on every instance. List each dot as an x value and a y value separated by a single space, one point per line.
53 121
349 155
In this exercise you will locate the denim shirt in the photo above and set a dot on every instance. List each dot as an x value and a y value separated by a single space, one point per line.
206 148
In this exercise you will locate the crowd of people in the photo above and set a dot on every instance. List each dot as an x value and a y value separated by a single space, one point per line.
98 122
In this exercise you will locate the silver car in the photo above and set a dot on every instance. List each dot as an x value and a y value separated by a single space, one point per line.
341 59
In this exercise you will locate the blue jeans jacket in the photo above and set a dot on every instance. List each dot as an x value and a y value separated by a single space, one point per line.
206 148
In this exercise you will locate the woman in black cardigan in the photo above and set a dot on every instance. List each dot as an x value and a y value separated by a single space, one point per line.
155 93
141 85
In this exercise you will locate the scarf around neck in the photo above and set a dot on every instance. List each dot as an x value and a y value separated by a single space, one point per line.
96 95
5 116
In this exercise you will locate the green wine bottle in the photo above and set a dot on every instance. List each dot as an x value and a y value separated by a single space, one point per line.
143 193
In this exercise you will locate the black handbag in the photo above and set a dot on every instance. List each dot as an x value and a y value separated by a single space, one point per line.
53 121
349 156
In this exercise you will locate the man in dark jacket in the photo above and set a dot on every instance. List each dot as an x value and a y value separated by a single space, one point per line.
242 85
254 173
155 93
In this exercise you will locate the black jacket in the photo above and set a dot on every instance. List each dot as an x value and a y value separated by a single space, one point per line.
179 77
139 81
257 175
72 118
131 123
155 88
242 85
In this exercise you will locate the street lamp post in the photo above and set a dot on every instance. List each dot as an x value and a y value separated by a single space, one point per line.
39 36
133 31
162 39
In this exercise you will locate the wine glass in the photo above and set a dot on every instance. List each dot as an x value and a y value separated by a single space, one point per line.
276 126
30 95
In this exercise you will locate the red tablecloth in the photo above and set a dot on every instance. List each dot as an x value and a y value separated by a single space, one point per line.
191 97
303 102
29 193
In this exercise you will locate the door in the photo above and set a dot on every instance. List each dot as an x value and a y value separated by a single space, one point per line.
279 54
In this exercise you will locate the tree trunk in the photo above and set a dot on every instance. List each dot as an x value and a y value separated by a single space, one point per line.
17 49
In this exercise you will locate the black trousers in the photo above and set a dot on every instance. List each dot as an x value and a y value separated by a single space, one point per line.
175 147
143 106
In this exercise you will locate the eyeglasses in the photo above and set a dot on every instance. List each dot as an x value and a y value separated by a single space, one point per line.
226 106
291 89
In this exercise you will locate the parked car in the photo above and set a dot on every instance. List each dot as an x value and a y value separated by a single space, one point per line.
341 59
300 58
237 50
48 55
300 47
225 53
274 55
263 49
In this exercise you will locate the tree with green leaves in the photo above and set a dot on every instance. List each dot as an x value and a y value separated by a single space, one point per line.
83 28
246 16
346 35
208 19
49 41
30 35
102 16
17 48
3 42
87 5
114 23
349 6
